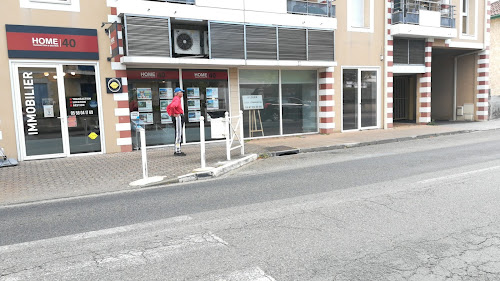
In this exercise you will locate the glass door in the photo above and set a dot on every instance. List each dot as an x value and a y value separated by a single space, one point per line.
359 99
42 119
57 110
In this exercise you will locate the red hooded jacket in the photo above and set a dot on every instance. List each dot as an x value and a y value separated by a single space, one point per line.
175 107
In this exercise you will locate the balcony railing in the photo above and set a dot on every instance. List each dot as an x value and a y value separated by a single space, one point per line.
408 11
323 8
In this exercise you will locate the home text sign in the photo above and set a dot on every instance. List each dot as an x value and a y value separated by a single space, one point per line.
42 42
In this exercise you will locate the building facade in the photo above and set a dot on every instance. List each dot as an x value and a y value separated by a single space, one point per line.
495 61
291 67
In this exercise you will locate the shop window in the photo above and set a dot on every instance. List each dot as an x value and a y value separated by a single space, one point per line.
150 91
289 108
82 108
207 94
299 101
265 85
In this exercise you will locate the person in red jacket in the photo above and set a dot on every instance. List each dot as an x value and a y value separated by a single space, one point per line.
174 110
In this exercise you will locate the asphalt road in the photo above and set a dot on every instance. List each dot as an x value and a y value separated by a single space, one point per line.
416 210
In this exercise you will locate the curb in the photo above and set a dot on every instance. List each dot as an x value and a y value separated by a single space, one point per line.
383 141
219 171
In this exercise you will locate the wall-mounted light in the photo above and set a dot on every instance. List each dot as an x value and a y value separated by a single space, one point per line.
55 76
381 57
46 74
73 73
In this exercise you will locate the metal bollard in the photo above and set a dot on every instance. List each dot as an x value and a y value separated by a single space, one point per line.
228 135
142 133
202 141
242 133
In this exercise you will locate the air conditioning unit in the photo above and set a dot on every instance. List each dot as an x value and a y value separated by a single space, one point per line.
187 42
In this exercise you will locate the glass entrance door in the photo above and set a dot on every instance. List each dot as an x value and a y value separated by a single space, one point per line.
41 111
57 110
359 99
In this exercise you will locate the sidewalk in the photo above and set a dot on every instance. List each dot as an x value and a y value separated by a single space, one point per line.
85 175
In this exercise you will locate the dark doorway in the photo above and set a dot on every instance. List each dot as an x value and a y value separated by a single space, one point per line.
404 99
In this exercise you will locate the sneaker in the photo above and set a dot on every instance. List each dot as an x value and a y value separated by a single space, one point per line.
179 154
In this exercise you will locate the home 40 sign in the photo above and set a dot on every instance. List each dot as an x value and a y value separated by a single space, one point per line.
42 42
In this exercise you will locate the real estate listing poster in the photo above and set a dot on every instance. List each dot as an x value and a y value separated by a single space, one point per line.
166 93
194 116
164 104
144 93
193 92
165 118
213 104
145 105
193 104
146 118
212 93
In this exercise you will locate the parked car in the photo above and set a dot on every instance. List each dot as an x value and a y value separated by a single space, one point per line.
292 109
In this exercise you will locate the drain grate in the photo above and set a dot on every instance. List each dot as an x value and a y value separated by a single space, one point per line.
282 150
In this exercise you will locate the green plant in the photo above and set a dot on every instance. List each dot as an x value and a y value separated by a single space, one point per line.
432 123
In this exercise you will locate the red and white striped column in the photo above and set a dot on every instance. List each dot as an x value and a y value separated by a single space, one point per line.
389 58
483 70
326 101
122 111
425 88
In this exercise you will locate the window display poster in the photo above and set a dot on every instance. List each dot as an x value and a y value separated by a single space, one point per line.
165 119
251 102
193 104
166 93
145 105
193 92
164 104
144 93
213 104
194 116
48 111
212 93
146 118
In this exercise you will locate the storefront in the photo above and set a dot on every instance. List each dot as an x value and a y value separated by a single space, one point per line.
287 102
274 102
150 91
56 91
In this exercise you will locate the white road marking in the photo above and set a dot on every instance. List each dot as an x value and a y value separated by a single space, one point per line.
248 274
449 177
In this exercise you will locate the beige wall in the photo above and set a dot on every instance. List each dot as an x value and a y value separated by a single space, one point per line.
91 15
495 57
466 76
357 49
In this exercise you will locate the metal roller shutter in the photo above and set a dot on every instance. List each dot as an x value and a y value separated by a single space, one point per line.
417 51
147 36
227 40
321 45
401 51
292 44
261 42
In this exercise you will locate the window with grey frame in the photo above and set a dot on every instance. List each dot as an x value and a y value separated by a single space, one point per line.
408 51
